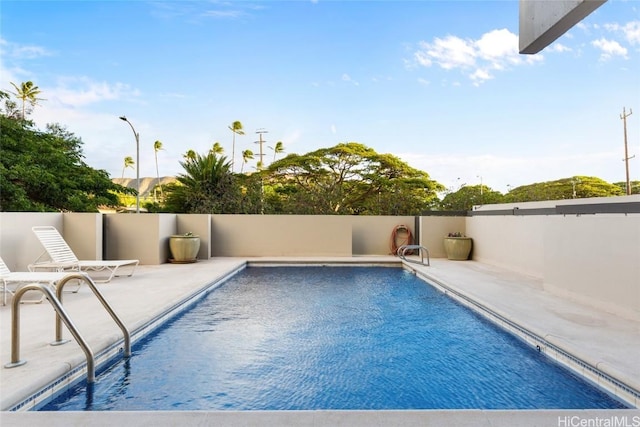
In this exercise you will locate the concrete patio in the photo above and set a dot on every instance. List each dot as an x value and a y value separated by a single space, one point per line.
597 337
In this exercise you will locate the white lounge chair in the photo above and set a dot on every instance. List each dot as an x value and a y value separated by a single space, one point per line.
15 280
62 258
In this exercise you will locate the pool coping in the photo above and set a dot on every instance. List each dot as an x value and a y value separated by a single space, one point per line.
603 377
142 330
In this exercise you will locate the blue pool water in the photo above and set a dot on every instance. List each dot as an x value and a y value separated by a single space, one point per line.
331 338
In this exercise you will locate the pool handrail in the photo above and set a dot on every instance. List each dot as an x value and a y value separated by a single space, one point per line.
105 304
15 328
62 316
402 252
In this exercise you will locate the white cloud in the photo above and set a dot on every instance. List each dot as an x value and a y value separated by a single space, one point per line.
497 45
82 91
19 51
503 172
347 78
424 82
333 129
584 27
479 76
630 31
558 47
609 49
223 13
496 50
450 52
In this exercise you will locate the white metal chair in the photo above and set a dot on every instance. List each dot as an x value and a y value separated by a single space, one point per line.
11 281
62 258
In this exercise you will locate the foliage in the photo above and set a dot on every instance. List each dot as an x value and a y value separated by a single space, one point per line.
565 188
236 129
27 92
246 156
252 192
9 107
128 163
157 146
45 171
635 187
469 195
217 148
207 186
348 178
277 149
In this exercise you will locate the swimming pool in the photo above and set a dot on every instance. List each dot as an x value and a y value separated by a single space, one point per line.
332 338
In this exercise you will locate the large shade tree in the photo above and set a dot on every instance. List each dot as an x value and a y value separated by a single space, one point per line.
470 195
349 178
45 171
635 186
566 188
8 106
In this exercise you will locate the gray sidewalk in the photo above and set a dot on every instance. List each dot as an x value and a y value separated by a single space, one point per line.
600 337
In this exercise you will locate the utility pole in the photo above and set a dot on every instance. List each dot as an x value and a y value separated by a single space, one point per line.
626 159
260 166
261 142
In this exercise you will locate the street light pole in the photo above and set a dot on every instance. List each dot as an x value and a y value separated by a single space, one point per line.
137 135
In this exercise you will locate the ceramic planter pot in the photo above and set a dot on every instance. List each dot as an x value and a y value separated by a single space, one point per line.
184 249
458 248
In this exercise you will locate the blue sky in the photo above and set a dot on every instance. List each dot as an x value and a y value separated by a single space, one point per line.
440 84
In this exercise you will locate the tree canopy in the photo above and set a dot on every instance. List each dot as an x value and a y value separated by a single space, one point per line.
44 171
634 185
349 178
565 188
468 196
207 186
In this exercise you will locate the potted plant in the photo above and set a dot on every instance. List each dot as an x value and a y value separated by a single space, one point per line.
457 246
184 247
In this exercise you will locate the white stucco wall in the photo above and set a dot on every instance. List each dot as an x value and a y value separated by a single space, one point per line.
200 225
281 235
513 242
18 245
83 233
144 237
371 235
595 259
433 229
591 258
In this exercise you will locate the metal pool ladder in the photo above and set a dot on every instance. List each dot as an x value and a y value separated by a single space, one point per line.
61 316
402 253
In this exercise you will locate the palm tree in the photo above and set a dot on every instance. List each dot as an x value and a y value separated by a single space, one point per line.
217 148
157 146
205 187
128 163
246 156
279 148
27 92
236 128
189 155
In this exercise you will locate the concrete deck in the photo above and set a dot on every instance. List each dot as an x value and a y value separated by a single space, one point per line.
600 338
